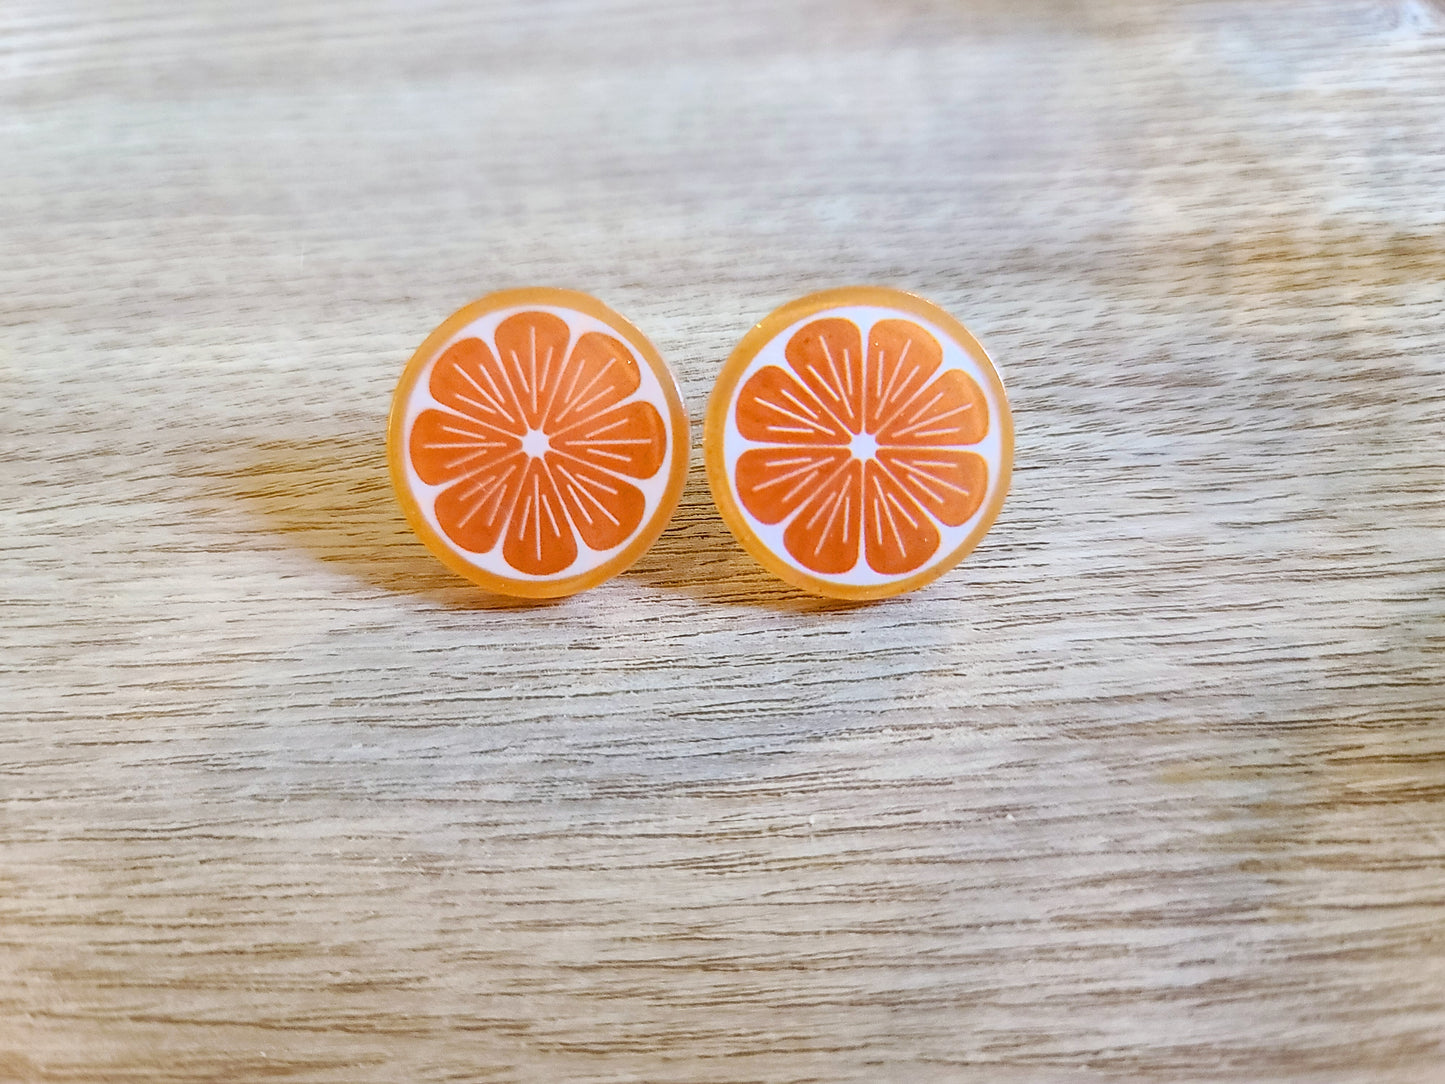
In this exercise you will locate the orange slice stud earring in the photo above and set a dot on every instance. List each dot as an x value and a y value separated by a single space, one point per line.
859 443
538 444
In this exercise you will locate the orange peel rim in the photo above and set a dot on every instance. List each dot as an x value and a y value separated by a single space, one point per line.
396 449
715 426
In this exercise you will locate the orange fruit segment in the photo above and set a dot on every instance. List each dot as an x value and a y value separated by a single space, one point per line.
859 442
537 442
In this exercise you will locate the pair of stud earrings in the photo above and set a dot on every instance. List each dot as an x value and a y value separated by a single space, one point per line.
858 443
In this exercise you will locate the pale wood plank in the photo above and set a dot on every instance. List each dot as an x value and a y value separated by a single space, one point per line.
1150 789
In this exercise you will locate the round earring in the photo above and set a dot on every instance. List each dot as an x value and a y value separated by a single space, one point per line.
538 443
859 443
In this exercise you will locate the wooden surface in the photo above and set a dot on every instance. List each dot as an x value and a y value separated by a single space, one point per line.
1151 789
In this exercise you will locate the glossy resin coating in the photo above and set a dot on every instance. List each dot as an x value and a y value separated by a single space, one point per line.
537 442
859 443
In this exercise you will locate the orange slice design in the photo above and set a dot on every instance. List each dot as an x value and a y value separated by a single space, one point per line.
864 448
537 442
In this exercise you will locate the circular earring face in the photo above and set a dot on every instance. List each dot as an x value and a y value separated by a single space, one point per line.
538 444
859 443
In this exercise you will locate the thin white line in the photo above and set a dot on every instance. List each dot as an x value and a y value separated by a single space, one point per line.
571 404
496 404
454 463
491 379
614 455
901 452
793 414
935 432
843 466
532 338
602 485
552 398
485 494
584 405
892 523
795 459
790 429
552 519
933 418
526 512
488 483
925 408
576 376
537 496
518 363
906 514
817 514
787 498
922 480
446 427
810 466
562 434
590 443
800 404
897 371
473 402
823 534
909 402
546 368
467 444
579 486
833 368
576 498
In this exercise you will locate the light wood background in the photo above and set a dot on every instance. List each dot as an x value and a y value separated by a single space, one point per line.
1152 788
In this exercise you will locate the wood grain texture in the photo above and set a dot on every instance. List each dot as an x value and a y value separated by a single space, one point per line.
1152 788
